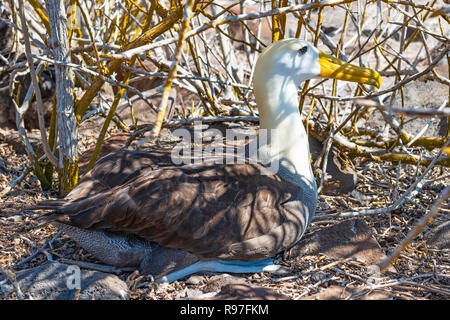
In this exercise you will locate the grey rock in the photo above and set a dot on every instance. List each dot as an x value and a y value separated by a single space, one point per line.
439 237
12 138
216 282
282 271
417 94
349 238
5 290
56 281
341 293
195 280
340 178
16 218
360 197
246 292
191 293
318 276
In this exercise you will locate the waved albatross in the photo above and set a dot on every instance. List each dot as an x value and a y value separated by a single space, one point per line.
140 209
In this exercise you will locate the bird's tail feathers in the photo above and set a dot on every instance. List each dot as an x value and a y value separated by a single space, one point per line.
53 205
57 211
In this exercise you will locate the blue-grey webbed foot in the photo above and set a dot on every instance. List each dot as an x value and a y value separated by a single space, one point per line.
229 266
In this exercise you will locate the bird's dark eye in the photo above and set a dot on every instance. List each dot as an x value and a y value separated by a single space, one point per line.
303 50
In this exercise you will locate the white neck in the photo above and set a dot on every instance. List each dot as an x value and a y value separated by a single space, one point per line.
277 101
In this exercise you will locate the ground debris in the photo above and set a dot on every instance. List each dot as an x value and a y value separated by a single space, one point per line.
421 272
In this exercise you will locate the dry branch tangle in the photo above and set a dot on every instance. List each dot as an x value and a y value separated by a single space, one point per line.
100 38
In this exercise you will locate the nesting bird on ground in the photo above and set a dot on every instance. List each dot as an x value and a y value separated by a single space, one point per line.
140 209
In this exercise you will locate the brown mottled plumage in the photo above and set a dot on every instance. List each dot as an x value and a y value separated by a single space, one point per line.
216 211
197 217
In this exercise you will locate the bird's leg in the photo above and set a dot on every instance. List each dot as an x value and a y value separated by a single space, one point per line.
121 250
109 247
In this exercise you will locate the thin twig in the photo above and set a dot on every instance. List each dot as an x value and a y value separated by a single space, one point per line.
12 278
416 230
15 182
53 159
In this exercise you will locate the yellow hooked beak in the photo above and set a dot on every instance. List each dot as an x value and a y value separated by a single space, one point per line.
332 67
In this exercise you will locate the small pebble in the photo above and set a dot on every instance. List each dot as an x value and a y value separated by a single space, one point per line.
318 276
195 280
15 219
5 291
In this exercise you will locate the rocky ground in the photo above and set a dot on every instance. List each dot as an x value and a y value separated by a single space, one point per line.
334 260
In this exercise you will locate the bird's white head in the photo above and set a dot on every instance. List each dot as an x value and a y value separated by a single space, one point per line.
285 64
279 71
294 59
